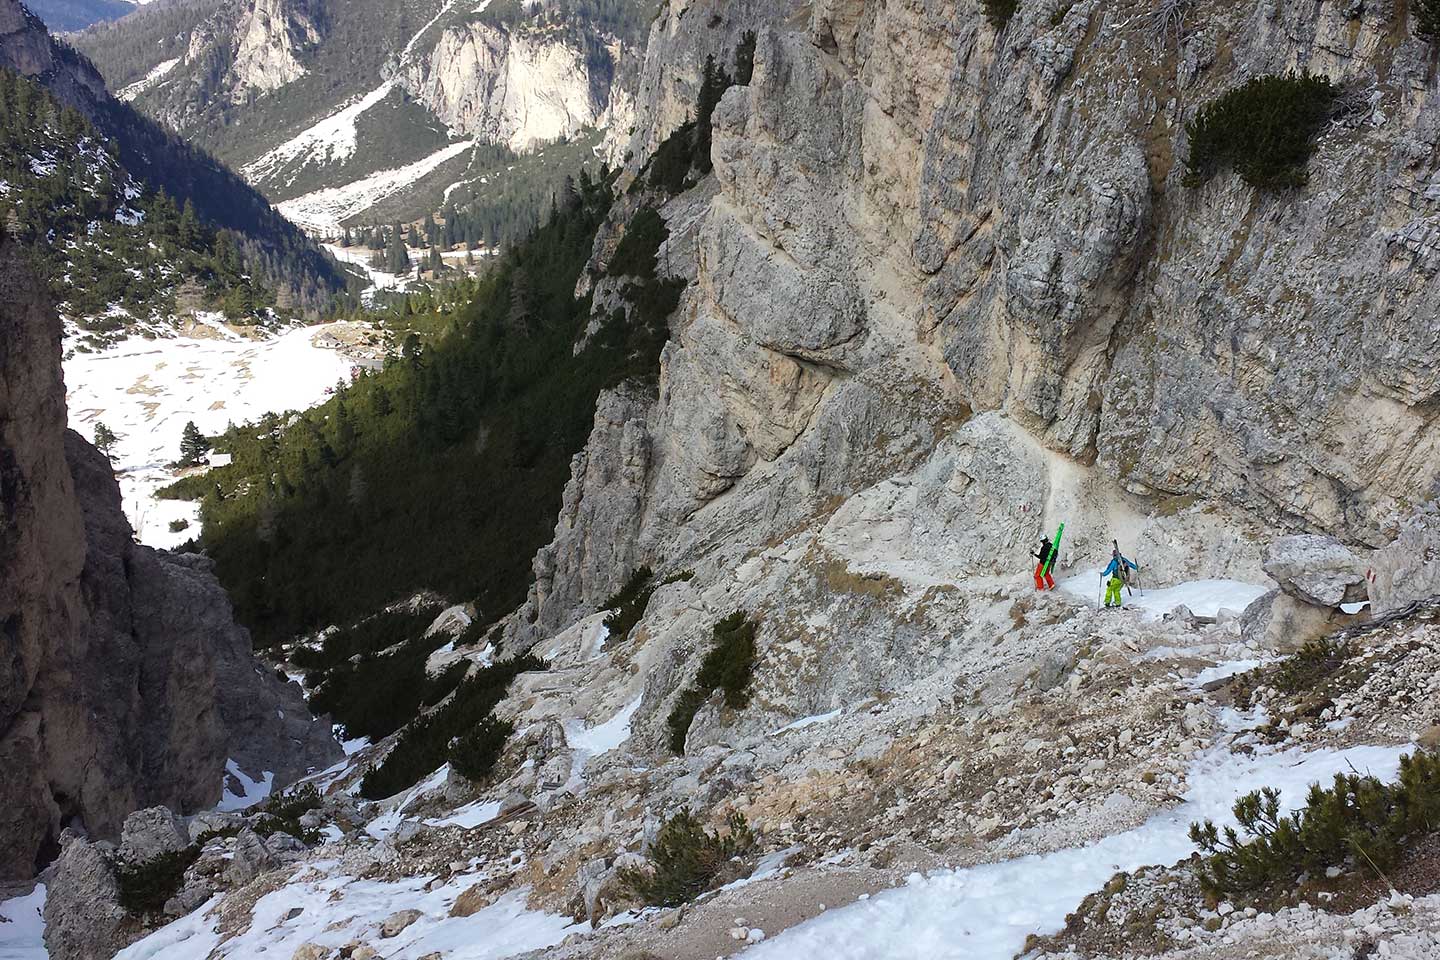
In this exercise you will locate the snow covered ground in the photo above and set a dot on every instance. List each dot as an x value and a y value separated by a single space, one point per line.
324 210
148 81
379 279
147 390
324 906
1205 598
986 912
331 140
22 926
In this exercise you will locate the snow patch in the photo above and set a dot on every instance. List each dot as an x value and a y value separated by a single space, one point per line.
147 390
22 926
147 82
324 210
331 140
804 722
590 742
335 909
1205 598
986 912
251 791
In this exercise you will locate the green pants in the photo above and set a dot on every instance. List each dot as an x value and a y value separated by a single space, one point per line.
1112 592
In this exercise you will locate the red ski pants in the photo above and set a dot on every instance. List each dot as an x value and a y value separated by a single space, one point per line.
1043 580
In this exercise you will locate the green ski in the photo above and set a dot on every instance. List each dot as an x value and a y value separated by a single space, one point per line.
1054 549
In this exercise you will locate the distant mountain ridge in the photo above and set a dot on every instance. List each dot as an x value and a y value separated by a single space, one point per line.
67 15
312 99
304 277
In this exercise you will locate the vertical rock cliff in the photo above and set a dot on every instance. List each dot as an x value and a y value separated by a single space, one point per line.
124 681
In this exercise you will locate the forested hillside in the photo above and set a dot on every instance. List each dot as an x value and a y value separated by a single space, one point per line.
271 249
445 470
113 250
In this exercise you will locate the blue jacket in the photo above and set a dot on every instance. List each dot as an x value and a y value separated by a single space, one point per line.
1115 562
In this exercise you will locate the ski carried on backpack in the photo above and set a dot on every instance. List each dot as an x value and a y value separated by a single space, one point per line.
1054 550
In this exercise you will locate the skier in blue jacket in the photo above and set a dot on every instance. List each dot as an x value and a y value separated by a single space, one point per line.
1117 573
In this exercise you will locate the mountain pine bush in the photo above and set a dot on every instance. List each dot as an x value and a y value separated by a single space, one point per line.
1358 821
999 12
689 859
728 667
144 887
461 727
628 604
474 753
1264 129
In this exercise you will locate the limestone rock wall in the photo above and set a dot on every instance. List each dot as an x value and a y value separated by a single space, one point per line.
271 38
915 220
126 682
514 88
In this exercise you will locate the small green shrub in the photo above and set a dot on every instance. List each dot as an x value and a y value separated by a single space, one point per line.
635 254
473 754
371 635
144 887
629 602
689 859
1425 21
1311 664
438 687
1264 129
999 12
728 666
425 742
177 525
1359 821
682 715
282 812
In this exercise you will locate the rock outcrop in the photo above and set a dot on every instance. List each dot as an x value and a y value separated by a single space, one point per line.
126 682
518 89
271 39
916 219
1318 570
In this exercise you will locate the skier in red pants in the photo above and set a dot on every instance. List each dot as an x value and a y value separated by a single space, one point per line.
1043 579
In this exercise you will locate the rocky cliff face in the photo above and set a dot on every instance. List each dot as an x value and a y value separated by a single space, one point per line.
271 38
518 89
918 219
126 682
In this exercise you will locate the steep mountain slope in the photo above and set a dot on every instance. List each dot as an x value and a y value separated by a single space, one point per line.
117 257
315 96
270 247
936 279
126 682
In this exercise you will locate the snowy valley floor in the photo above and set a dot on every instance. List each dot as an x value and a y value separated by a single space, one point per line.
146 390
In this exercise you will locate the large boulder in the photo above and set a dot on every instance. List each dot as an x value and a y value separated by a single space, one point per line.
83 916
1317 570
1408 569
150 833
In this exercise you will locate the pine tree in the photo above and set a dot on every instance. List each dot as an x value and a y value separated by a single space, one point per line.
397 255
105 440
193 445
436 262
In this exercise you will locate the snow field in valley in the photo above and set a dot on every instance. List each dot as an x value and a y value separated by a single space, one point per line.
147 390
986 912
331 140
